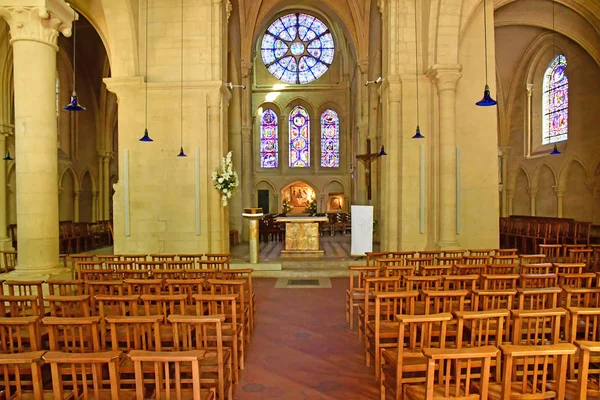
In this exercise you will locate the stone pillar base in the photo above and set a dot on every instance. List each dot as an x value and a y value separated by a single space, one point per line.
57 272
449 245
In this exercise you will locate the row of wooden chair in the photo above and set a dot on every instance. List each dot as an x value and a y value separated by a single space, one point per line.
75 237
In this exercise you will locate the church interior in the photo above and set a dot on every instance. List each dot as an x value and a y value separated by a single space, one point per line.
195 173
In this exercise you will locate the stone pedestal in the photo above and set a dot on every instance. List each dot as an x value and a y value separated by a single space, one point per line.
253 215
302 236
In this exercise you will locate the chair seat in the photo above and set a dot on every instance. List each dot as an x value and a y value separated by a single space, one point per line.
411 362
571 389
495 392
418 392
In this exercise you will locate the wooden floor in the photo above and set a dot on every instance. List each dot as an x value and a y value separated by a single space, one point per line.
302 349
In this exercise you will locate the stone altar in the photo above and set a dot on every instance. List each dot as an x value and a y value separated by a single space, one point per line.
302 235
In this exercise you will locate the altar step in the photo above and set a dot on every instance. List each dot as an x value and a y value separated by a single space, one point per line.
309 268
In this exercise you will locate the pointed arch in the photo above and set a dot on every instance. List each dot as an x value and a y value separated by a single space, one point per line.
92 178
555 102
330 139
299 137
76 182
512 182
534 183
564 173
269 139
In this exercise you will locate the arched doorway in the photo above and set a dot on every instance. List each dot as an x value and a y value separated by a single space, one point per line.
299 198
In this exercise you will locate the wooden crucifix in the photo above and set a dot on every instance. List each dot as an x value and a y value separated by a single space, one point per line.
367 158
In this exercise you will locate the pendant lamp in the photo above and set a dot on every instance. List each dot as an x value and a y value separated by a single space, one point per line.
382 152
74 103
417 134
7 157
181 153
146 137
555 152
487 96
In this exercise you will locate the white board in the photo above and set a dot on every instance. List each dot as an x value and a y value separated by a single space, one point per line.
362 230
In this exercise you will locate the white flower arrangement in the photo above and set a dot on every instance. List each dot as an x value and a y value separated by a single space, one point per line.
226 180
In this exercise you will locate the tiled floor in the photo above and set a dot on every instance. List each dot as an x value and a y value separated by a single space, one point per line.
301 348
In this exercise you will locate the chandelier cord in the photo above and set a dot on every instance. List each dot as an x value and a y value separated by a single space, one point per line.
74 52
485 39
181 87
417 62
146 86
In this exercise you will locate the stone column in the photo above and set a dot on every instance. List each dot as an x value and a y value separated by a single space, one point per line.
100 210
219 233
5 241
504 177
76 198
106 185
509 201
446 78
362 102
532 196
34 32
247 181
95 206
560 194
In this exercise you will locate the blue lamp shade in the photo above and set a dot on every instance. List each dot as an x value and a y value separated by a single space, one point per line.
382 152
146 137
181 153
7 157
554 152
418 134
74 104
487 98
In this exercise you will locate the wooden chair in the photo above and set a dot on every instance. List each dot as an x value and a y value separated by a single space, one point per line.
28 288
570 268
539 268
211 264
71 287
482 328
179 265
168 384
538 298
193 258
19 306
167 273
136 258
69 306
582 325
78 368
149 265
537 327
551 251
586 386
460 282
382 330
73 335
580 297
505 259
10 260
502 269
583 280
144 286
481 252
204 274
120 305
418 262
436 270
447 260
424 282
165 305
455 374
475 260
505 252
103 288
205 333
236 287
499 282
453 253
245 275
19 334
526 372
162 257
373 256
188 287
224 259
232 330
366 310
108 257
21 375
532 258
406 364
75 258
489 300
398 271
470 269
538 280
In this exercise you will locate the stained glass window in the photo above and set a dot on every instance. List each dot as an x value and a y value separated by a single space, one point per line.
330 139
299 138
555 102
268 139
297 48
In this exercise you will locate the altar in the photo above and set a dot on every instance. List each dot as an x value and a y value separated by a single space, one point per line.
302 235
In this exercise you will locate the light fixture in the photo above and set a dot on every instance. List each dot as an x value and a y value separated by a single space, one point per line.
417 134
487 97
376 81
74 104
382 152
230 85
7 157
146 137
181 153
555 152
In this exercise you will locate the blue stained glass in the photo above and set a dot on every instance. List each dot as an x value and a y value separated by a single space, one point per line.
299 138
555 102
268 140
330 139
293 36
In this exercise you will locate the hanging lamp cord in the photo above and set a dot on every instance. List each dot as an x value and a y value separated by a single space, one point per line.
74 52
417 61
181 89
485 39
147 63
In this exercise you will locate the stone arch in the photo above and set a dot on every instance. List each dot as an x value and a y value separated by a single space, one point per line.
68 188
534 182
86 197
444 43
543 184
564 173
513 177
274 205
520 184
11 194
289 186
87 170
267 182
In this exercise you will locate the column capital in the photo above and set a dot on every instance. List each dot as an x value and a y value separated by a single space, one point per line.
7 129
529 88
363 65
445 76
38 20
381 6
560 190
533 191
246 68
509 193
228 9
394 86
77 193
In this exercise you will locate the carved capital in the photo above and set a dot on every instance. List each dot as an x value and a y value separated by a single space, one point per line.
529 88
363 65
246 69
394 86
39 23
532 192
214 99
560 190
445 77
228 9
381 6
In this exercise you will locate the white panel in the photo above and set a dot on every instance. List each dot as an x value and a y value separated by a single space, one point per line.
362 230
126 191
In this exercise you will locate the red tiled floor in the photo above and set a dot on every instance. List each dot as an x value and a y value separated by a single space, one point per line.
301 348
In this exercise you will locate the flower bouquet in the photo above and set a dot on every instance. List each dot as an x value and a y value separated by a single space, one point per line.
226 179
